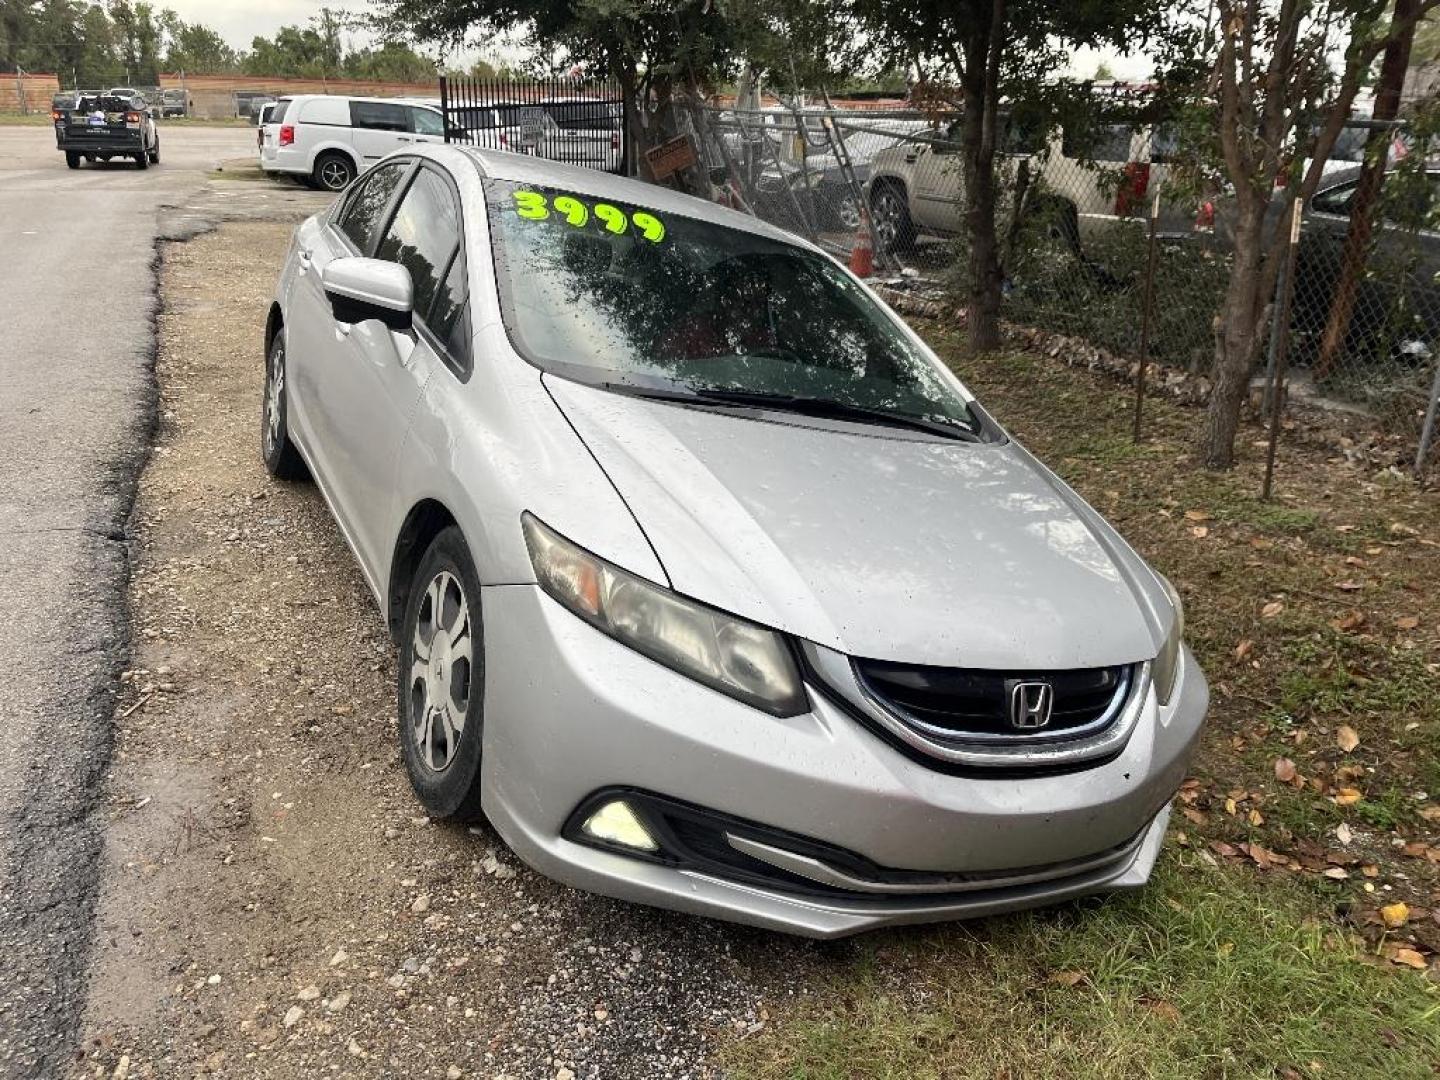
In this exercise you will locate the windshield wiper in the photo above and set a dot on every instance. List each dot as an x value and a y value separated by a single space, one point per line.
821 407
839 410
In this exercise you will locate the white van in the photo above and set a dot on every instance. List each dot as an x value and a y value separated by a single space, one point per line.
328 140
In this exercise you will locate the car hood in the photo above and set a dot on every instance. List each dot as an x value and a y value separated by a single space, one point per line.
871 541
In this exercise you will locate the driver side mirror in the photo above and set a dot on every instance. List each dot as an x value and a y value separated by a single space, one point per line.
361 289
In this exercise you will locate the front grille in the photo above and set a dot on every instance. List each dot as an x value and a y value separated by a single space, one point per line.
973 705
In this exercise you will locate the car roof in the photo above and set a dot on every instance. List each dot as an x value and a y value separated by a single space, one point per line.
530 169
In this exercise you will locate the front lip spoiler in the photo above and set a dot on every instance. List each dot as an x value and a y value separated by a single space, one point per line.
823 873
836 673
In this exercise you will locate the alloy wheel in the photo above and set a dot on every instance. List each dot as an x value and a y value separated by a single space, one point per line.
443 652
334 175
274 397
887 218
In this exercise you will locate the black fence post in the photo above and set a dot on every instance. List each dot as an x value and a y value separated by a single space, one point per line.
445 107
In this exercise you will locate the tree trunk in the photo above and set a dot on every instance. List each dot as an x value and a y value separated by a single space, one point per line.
1236 342
1372 175
979 81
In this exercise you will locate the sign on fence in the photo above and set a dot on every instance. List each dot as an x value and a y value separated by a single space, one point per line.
671 156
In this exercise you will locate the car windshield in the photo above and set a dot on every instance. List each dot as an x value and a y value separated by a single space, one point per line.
617 294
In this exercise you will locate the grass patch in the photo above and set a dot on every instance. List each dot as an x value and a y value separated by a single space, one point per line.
1197 976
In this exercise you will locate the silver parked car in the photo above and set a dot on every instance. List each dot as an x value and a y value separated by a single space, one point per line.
713 588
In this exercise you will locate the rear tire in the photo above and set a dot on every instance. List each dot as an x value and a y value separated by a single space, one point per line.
333 171
72 159
282 460
442 680
142 160
155 153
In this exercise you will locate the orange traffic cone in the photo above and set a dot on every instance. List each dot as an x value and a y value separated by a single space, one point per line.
862 255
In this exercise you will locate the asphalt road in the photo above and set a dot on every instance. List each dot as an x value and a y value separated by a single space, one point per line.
76 408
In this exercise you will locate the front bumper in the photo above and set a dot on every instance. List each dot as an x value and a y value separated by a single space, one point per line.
569 712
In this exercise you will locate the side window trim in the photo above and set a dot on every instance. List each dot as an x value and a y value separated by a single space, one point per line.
459 366
383 221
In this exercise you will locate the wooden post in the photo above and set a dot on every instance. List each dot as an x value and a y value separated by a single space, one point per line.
1147 303
1276 389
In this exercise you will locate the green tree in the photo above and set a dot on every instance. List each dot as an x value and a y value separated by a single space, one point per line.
652 48
194 47
974 53
1265 88
392 62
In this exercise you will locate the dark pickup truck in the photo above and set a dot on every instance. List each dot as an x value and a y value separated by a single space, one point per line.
98 127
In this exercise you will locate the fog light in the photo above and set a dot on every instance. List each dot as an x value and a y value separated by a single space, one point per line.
616 823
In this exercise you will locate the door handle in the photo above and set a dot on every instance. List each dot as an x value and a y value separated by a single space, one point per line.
403 138
304 259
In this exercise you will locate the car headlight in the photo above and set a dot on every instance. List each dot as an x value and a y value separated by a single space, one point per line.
731 655
1166 670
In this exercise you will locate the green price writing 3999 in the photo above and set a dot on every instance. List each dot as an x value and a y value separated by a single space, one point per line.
534 206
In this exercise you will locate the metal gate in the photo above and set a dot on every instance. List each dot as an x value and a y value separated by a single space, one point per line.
576 121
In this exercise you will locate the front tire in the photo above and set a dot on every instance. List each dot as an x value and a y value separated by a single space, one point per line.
442 681
282 460
894 230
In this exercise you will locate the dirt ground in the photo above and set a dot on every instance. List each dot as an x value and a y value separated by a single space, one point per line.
275 902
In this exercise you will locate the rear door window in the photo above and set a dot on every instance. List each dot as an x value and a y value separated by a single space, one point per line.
379 116
426 122
423 236
367 205
277 114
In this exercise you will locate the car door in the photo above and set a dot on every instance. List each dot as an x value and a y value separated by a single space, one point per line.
938 171
379 128
426 124
317 357
365 410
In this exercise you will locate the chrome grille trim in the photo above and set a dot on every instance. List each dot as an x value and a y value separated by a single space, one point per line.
837 673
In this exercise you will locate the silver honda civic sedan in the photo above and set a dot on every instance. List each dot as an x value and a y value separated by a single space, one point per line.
712 587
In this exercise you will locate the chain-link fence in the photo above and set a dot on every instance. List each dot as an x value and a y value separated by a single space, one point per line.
1075 235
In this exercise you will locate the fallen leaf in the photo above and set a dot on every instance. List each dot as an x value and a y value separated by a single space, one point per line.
1165 1009
1261 543
1346 796
1343 833
1242 650
1197 515
1407 622
1347 738
1199 532
1066 978
1270 610
1395 915
1230 807
1193 815
1410 958
1336 873
1284 770
1255 818
1415 850
1430 813
1348 586
1353 621
1351 560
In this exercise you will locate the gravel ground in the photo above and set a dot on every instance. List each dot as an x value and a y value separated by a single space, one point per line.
274 903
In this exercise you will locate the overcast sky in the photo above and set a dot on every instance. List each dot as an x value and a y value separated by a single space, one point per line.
238 21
